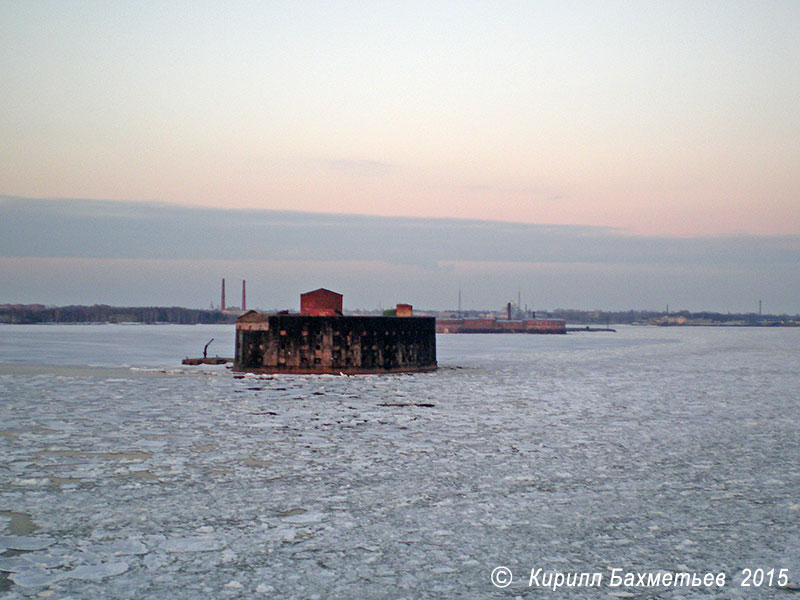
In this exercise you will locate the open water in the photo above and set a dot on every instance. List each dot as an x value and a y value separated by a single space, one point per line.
650 451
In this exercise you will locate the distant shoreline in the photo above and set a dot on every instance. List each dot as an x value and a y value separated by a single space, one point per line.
32 314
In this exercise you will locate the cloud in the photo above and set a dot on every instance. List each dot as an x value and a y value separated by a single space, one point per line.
86 251
104 229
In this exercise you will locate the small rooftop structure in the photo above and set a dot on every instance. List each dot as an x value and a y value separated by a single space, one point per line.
404 310
321 303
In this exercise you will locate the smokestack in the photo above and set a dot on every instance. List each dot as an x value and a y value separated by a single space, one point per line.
222 306
244 304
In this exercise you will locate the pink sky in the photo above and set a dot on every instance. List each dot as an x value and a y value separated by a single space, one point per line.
678 119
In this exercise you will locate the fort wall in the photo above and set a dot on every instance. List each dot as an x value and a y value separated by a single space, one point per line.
290 343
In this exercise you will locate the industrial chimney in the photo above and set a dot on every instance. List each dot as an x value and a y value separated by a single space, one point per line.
244 304
222 306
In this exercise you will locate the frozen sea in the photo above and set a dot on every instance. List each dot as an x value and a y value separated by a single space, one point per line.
650 450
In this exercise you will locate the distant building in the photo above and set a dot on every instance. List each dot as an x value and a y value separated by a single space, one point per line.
493 325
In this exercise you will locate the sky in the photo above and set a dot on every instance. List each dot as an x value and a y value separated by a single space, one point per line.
67 251
584 154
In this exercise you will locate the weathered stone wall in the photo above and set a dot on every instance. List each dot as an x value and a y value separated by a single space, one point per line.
311 344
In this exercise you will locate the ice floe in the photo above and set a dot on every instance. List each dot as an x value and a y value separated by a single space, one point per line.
29 560
120 547
192 544
571 453
98 572
28 578
21 542
304 517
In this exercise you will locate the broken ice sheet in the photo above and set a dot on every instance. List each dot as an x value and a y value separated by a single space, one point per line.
36 577
153 561
532 471
281 534
98 572
192 544
304 517
21 542
122 547
15 564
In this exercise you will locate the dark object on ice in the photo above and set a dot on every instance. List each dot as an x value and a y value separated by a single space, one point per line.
217 360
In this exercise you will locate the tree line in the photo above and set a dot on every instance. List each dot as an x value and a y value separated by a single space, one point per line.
102 313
